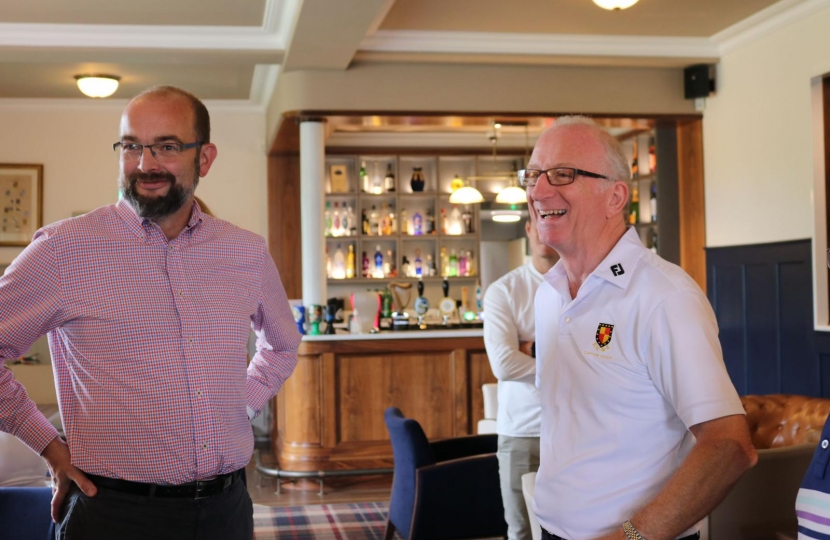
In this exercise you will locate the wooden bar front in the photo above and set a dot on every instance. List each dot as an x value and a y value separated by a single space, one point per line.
329 414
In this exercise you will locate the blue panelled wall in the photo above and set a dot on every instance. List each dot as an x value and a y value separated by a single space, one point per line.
763 298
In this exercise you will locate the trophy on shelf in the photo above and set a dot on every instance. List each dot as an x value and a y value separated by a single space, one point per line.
421 305
400 318
315 315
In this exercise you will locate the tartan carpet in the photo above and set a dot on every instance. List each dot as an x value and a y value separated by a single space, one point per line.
352 521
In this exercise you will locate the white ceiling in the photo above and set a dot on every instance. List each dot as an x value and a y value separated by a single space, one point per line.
234 50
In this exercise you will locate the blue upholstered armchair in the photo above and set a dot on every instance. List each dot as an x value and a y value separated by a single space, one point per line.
24 513
443 490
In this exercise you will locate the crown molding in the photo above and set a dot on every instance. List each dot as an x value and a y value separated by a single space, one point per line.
765 22
538 44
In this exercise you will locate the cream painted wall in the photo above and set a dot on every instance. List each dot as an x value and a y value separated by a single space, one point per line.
73 138
758 136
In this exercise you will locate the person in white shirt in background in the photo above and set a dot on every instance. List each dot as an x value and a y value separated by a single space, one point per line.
19 466
509 334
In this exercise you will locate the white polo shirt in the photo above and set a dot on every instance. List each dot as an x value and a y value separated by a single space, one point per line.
623 371
509 319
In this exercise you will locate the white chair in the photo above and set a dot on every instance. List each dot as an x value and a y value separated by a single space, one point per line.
490 392
528 485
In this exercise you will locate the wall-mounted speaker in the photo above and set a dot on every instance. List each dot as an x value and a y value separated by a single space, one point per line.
698 81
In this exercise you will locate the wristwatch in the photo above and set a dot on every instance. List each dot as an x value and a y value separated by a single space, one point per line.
533 350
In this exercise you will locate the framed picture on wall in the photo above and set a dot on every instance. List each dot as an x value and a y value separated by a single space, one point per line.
21 203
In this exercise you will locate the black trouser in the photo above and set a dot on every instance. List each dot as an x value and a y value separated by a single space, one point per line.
115 514
548 536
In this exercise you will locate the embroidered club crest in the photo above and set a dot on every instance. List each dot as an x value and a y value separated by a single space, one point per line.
604 332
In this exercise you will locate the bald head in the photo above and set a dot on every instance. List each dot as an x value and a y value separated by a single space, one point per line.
616 164
201 117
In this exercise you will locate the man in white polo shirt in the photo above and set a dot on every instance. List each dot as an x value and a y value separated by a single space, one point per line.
642 430
509 336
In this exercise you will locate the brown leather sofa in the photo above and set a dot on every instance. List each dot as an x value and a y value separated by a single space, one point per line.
785 430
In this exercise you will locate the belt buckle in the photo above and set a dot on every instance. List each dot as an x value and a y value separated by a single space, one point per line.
200 488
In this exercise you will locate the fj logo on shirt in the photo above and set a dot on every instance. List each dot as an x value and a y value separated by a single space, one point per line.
604 332
617 270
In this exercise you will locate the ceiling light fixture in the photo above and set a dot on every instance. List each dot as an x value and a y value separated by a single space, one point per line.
466 195
506 216
615 5
97 86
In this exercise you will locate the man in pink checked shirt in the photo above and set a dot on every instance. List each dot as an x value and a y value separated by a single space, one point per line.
148 304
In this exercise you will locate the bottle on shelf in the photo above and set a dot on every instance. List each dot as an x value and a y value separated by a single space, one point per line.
652 155
350 263
635 162
653 202
338 270
467 217
366 268
374 226
419 269
417 224
634 206
444 224
328 219
393 224
453 264
389 179
389 269
352 224
335 222
455 221
378 271
365 222
383 223
430 270
471 263
404 223
457 183
430 222
445 262
363 177
406 269
462 264
377 182
386 303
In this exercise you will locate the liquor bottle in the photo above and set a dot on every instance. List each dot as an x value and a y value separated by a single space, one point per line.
339 267
406 269
471 263
430 222
652 156
389 180
328 219
350 263
653 202
404 222
389 269
383 225
373 221
635 167
453 267
654 240
467 217
455 221
456 184
335 222
417 224
462 264
378 273
634 207
445 262
344 220
444 224
352 224
377 183
365 221
386 304
363 179
431 270
393 223
419 269
365 266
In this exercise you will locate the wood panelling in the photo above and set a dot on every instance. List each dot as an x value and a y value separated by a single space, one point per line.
331 408
762 297
691 201
284 230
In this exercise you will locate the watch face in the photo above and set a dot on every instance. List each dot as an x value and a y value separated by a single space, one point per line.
447 306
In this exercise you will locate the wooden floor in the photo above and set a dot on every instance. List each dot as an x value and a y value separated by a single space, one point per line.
301 492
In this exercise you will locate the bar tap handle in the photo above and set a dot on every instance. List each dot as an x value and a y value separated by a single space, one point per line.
420 287
445 286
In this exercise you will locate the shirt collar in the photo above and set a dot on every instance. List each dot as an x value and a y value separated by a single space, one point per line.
617 267
137 223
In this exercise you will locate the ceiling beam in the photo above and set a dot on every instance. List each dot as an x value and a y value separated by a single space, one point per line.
328 34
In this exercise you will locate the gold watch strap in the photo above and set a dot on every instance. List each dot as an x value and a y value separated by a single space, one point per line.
630 532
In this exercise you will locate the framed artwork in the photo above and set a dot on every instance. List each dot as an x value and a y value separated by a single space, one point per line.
21 203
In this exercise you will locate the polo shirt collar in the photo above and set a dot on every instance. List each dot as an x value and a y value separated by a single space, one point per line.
617 268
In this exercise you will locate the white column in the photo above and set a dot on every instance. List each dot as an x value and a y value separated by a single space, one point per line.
312 209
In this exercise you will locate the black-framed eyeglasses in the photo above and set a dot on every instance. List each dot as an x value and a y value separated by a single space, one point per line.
557 176
166 151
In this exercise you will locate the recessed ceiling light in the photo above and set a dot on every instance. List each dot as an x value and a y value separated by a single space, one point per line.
97 86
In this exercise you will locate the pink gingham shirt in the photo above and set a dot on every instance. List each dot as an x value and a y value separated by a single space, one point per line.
149 342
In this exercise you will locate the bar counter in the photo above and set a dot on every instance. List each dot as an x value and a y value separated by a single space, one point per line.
329 414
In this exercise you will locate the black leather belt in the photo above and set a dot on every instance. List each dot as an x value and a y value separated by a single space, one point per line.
194 490
550 536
